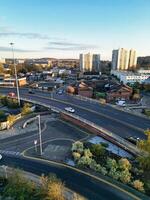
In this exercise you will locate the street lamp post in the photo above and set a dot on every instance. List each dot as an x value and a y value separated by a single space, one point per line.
38 117
17 85
40 137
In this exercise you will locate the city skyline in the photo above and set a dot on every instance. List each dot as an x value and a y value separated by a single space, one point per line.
64 29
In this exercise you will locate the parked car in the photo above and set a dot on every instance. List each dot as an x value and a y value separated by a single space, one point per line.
11 94
133 139
69 109
121 103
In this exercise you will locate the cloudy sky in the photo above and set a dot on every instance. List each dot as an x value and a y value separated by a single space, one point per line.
65 28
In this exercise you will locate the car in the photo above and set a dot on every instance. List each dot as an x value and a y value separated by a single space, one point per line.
69 109
121 103
0 156
133 139
11 94
30 91
60 92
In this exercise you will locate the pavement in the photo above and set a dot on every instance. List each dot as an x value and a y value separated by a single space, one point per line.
57 137
17 129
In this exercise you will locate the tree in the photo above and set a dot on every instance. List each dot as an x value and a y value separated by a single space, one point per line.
125 176
124 164
76 156
147 132
19 188
111 163
1 68
144 145
136 96
139 185
114 173
103 171
84 162
87 153
26 109
144 161
98 150
2 114
77 146
93 165
52 188
55 191
11 119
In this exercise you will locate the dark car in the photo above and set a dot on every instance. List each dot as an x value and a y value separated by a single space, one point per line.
31 91
133 139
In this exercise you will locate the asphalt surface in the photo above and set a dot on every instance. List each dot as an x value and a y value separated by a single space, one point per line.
118 122
56 129
74 180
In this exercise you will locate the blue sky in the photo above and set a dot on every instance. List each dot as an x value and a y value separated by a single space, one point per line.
64 28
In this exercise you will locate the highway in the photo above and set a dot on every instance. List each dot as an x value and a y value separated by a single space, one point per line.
118 122
88 186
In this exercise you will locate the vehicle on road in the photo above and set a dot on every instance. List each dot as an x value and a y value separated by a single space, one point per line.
30 91
60 92
133 139
0 156
11 94
69 109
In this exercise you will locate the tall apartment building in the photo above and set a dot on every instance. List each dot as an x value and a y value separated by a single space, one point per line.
89 62
96 63
132 59
123 60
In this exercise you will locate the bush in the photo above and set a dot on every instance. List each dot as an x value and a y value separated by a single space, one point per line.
98 150
125 176
111 163
103 171
147 187
137 184
93 165
114 173
19 188
84 162
87 153
2 116
51 188
11 119
26 109
78 147
147 112
76 156
124 164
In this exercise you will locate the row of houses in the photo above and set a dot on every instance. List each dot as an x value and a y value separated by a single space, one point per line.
115 92
9 81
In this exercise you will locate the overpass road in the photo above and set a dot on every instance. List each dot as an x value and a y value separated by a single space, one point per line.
118 122
89 186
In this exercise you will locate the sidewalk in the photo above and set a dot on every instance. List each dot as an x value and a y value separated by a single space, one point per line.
17 128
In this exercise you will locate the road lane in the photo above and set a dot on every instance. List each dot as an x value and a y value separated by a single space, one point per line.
109 124
74 180
109 118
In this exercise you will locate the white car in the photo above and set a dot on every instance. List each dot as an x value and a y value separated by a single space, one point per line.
0 156
69 109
